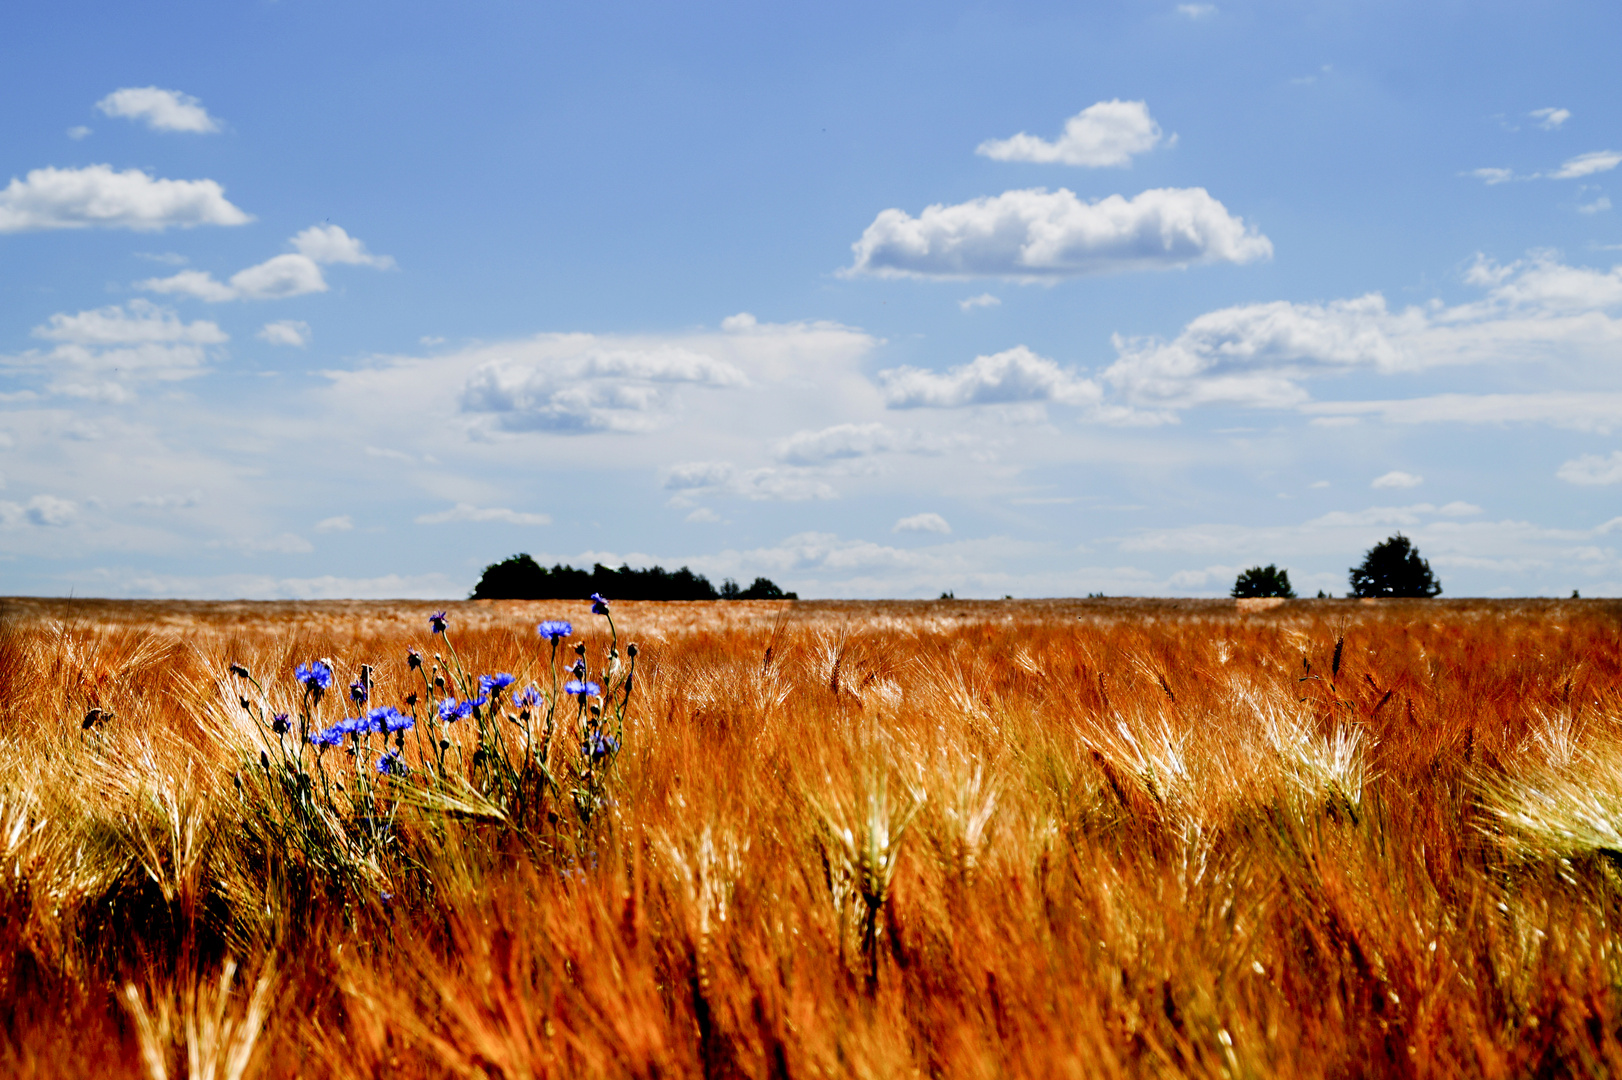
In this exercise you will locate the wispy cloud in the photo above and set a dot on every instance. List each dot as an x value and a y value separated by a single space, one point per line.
922 523
1551 118
499 514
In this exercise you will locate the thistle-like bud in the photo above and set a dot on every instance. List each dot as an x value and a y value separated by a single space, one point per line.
238 670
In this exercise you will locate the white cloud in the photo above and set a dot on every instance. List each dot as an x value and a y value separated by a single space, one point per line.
1493 175
928 523
162 110
723 478
1549 119
276 278
139 322
843 441
279 277
331 244
291 332
1396 478
983 300
1600 204
1035 235
97 197
79 132
468 512
704 516
1591 469
1014 375
1535 311
99 352
1196 11
46 511
1587 165
1105 134
339 523
597 389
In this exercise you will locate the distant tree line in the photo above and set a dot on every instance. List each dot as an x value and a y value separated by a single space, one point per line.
1390 568
522 578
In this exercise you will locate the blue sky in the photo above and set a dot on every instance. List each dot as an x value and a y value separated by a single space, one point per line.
351 299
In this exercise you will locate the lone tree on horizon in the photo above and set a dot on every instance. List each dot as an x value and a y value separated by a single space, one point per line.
1393 568
1260 581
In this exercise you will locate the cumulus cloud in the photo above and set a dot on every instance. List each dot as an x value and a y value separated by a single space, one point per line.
78 132
1105 134
1014 375
1035 235
291 332
1196 11
276 278
1493 175
468 512
279 277
598 389
695 478
338 523
983 300
98 197
99 352
46 511
1592 469
1549 119
160 110
844 441
1534 311
1396 478
922 523
331 244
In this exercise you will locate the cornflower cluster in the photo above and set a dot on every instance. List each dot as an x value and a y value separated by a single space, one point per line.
516 762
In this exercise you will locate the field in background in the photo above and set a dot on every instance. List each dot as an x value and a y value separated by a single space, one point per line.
954 839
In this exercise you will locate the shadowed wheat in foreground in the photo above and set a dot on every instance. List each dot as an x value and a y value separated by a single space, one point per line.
821 839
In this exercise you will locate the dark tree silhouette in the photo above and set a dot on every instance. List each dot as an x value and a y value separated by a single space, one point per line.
1266 580
521 578
1394 568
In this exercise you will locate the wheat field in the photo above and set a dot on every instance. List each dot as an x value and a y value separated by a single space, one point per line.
945 839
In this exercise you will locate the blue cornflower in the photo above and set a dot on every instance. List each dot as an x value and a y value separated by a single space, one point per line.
436 622
496 683
332 736
390 764
530 695
599 604
452 711
389 719
316 676
278 723
600 746
555 629
581 689
357 692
